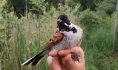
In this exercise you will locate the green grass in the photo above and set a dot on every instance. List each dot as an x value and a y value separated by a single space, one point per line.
24 38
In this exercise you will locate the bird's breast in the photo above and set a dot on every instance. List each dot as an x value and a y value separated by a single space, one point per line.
69 40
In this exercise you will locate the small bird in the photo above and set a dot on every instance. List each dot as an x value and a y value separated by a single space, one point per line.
67 35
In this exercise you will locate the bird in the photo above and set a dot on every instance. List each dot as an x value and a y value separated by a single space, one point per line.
66 35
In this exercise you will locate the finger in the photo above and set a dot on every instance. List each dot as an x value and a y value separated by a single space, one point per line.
53 53
67 51
68 62
72 65
63 53
53 63
79 51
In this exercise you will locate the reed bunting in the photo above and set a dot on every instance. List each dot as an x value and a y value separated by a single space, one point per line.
66 36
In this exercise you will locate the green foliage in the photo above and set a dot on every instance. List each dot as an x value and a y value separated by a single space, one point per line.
88 4
90 19
23 7
85 4
115 30
97 41
97 30
106 7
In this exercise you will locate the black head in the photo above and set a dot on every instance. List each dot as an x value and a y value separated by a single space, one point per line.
63 23
63 18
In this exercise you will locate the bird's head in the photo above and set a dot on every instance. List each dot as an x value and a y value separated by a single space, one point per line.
63 18
63 22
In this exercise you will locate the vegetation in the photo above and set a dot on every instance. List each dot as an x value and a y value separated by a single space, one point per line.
26 25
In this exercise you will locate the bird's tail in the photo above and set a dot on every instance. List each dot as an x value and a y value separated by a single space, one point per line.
34 60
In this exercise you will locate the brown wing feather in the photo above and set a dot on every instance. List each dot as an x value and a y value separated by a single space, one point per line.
57 37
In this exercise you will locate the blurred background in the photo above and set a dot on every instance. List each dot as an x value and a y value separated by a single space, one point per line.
26 25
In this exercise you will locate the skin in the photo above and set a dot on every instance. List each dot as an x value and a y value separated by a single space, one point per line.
62 60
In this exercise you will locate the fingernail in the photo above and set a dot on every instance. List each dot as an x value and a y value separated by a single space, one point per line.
49 59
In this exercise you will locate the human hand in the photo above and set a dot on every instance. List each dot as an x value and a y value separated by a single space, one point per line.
62 60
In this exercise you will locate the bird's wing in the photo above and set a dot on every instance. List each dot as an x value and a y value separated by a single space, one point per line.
57 37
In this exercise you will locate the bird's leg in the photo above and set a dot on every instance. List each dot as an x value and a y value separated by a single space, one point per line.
74 56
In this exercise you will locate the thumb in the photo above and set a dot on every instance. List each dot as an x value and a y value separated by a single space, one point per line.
53 63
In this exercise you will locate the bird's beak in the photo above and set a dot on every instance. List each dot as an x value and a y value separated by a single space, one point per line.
59 20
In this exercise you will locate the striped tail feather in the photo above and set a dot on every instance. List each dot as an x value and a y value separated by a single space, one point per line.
34 60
